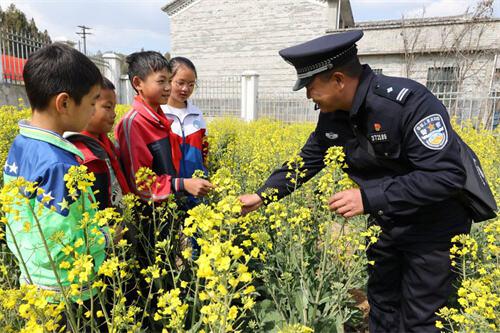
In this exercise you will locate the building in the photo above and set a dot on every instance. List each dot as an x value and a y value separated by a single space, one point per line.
229 37
456 57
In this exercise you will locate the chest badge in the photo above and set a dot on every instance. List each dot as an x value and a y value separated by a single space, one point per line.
432 132
197 124
331 135
377 127
378 137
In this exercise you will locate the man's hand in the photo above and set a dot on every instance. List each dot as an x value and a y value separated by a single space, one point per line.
250 203
347 203
197 186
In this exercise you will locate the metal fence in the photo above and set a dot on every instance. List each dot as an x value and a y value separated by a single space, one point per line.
481 111
286 106
15 48
222 97
219 97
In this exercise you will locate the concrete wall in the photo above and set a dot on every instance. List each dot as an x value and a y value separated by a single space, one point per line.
477 76
431 35
228 37
11 93
382 47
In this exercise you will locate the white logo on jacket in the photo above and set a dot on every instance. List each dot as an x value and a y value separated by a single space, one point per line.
189 119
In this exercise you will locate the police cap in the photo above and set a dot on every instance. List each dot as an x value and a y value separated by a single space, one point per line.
321 54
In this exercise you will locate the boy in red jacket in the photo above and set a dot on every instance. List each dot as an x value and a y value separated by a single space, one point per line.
99 152
144 135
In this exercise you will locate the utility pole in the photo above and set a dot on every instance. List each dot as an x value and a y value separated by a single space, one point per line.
84 34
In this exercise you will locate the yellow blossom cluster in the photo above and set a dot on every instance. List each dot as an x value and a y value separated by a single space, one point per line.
476 261
288 267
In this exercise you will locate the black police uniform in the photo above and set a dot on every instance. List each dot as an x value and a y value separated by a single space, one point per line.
402 152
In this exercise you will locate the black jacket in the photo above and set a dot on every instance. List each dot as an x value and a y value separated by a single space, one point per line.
415 159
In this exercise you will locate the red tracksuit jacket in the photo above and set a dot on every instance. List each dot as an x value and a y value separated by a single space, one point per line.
145 139
98 151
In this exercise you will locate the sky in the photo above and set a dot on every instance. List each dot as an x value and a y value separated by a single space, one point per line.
126 26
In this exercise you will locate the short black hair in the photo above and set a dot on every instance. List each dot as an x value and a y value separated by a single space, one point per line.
351 67
107 84
142 64
58 68
177 62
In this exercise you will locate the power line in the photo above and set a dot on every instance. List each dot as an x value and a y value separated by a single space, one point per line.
84 35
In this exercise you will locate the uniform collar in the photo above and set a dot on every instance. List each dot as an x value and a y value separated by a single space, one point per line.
154 116
86 137
37 133
364 83
190 109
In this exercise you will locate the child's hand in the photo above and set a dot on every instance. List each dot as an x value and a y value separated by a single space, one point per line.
197 186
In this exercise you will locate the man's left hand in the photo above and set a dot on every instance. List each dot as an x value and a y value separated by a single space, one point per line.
347 203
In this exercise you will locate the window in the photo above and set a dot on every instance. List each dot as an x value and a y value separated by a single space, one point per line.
442 80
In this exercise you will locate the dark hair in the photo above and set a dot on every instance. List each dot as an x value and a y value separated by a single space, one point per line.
58 68
107 84
351 67
141 64
177 62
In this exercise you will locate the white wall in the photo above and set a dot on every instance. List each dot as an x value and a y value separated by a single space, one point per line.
228 37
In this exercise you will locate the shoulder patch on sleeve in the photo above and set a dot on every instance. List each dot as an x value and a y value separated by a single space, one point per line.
432 132
390 91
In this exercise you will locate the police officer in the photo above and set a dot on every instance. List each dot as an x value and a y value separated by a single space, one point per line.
402 152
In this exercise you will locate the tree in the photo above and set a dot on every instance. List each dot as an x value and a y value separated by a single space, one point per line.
460 53
15 20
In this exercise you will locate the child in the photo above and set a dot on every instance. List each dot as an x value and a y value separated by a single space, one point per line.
99 152
144 134
187 120
62 87
145 140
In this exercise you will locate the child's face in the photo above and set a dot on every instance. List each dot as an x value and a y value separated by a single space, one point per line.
155 89
78 116
183 84
104 117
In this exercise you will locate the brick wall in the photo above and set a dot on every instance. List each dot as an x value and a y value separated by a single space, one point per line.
228 37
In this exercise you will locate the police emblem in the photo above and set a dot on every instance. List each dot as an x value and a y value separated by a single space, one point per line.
432 132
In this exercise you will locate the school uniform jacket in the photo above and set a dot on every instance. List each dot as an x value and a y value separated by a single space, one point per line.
190 130
43 157
97 151
144 139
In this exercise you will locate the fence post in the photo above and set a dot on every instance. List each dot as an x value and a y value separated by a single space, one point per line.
2 54
113 70
126 90
249 89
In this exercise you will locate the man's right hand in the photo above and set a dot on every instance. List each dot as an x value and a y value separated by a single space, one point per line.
250 202
197 186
